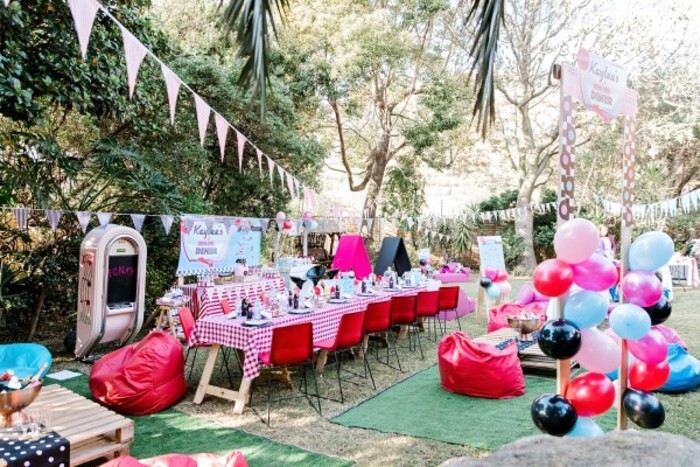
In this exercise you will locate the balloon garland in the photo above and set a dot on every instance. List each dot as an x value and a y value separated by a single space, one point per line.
576 335
495 282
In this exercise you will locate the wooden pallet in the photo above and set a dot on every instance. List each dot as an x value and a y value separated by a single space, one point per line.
531 358
94 431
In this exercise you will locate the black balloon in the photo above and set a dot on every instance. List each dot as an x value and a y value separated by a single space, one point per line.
422 262
560 339
553 414
644 409
660 311
485 282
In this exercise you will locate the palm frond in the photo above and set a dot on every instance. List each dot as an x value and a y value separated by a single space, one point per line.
251 21
489 16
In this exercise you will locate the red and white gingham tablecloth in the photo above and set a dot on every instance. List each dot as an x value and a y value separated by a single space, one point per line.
220 329
207 300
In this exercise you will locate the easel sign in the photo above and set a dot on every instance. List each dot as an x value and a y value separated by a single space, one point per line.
490 255
601 86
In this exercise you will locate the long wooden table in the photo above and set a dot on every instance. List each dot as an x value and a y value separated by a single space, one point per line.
93 431
531 358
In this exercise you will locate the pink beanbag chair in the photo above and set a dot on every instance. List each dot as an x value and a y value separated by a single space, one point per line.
498 315
478 369
232 459
141 378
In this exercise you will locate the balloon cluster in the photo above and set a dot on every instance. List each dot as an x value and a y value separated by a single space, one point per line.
282 222
495 281
309 222
593 393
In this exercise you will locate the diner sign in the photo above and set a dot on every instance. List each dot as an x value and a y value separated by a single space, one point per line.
603 84
214 245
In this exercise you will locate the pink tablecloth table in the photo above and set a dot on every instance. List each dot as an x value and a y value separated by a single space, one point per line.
219 330
452 277
206 301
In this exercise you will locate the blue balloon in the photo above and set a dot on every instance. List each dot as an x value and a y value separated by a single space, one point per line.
650 251
630 321
585 428
493 291
586 309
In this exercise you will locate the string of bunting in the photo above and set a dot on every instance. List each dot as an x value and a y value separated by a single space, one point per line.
671 207
84 13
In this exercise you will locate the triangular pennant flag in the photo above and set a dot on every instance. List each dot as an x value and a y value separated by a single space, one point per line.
83 12
203 111
221 131
54 216
167 221
382 221
83 219
264 223
241 148
281 172
137 220
280 224
290 185
370 221
172 86
258 152
104 218
135 52
271 167
21 216
359 225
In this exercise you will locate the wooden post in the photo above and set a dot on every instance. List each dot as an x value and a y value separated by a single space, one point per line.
276 253
305 242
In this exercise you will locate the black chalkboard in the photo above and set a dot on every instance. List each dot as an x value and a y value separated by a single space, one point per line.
122 275
392 253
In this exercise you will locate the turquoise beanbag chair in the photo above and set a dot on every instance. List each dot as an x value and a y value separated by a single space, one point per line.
24 359
685 370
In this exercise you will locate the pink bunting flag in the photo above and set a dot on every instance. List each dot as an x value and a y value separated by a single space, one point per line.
221 131
290 185
54 216
135 52
271 168
264 223
167 223
104 218
241 147
137 220
21 217
83 12
83 219
203 111
281 172
172 86
258 152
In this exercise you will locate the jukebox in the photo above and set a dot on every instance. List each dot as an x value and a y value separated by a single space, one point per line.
111 288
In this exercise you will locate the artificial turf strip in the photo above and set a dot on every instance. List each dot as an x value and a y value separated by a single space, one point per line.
172 431
419 407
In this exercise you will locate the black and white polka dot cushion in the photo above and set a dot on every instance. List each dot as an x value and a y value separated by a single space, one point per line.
50 450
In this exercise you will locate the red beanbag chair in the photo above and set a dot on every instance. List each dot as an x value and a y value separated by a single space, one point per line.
232 459
478 369
141 378
498 315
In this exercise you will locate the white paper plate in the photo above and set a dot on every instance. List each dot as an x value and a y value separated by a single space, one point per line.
256 322
303 311
336 301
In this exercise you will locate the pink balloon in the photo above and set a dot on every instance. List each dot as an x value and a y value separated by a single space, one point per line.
652 348
501 276
642 288
506 288
576 240
612 334
490 272
281 216
599 353
526 295
306 216
597 273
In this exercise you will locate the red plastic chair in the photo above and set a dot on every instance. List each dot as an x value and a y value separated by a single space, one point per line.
449 297
187 323
428 308
291 346
403 313
349 336
378 322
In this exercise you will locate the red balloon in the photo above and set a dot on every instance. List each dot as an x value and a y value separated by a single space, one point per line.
553 277
648 377
591 394
287 225
501 276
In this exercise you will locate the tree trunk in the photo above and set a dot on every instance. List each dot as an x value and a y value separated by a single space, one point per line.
374 187
524 224
37 311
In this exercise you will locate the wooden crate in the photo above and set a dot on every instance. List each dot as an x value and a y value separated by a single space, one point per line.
93 431
531 358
